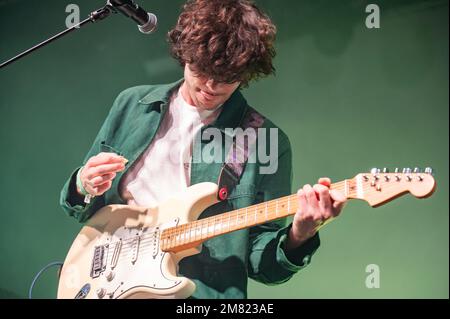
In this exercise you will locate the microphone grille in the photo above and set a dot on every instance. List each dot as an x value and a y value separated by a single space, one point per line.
151 24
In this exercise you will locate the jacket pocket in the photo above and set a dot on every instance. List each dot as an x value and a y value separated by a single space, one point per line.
243 195
243 190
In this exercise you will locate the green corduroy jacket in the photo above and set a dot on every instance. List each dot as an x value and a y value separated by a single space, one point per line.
226 262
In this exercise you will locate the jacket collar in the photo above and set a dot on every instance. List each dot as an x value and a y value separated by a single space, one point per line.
230 117
161 94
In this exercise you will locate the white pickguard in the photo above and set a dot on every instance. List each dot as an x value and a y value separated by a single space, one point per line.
139 262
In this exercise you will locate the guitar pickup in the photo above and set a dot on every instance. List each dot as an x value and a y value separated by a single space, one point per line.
116 253
135 248
99 261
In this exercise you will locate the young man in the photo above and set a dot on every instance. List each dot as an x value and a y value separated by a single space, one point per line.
222 46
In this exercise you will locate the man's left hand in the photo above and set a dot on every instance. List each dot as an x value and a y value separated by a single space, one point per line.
316 205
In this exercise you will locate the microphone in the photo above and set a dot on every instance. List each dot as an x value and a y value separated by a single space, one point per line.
146 21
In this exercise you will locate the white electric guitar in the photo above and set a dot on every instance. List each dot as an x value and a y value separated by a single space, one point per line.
133 252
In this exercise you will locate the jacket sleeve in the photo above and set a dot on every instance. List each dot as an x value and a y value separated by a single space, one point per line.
68 199
268 262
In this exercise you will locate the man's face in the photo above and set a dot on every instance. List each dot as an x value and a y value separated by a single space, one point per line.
203 92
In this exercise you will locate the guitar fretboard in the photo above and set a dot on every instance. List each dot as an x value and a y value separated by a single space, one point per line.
194 233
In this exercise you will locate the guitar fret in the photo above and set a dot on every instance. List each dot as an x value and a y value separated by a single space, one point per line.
218 225
246 216
181 234
185 237
289 204
198 231
211 228
204 230
266 210
276 209
192 231
186 233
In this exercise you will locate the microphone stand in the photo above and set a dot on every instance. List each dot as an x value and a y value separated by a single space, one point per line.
94 16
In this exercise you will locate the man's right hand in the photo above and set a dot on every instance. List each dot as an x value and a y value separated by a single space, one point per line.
99 171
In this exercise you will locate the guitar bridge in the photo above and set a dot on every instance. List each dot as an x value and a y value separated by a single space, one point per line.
99 261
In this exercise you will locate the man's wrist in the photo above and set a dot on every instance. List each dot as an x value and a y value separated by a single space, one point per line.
81 190
294 241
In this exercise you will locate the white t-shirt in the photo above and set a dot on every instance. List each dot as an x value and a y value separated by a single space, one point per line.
163 170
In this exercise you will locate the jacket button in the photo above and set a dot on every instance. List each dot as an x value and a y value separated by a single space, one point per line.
307 259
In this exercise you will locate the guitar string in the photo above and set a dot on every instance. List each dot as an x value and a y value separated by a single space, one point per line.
126 254
187 238
218 219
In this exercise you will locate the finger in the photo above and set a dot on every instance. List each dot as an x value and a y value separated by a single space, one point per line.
324 200
104 169
103 188
337 196
311 197
324 181
105 158
318 219
339 201
99 180
302 202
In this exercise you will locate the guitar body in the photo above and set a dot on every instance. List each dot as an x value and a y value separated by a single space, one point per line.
117 254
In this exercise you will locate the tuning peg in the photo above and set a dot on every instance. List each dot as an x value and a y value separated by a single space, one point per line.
385 170
429 170
396 171
417 170
375 171
407 170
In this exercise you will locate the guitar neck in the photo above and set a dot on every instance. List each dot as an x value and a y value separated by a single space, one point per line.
194 233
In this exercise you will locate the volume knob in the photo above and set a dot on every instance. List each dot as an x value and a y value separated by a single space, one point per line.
110 276
101 292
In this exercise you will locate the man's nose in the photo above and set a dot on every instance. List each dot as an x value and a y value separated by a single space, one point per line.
211 84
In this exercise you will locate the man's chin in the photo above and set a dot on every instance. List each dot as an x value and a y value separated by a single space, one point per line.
207 105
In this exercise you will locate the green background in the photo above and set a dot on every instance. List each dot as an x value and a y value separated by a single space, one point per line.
349 97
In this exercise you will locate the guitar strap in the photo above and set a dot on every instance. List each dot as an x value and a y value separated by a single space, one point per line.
237 157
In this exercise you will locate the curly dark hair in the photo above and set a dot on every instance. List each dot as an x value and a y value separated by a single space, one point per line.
226 40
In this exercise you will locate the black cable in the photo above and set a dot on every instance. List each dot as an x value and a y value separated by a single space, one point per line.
55 263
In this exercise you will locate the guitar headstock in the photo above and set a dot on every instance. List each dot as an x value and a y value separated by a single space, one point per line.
380 186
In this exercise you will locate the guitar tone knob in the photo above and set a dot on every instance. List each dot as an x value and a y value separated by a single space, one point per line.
110 276
101 292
